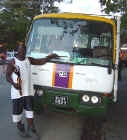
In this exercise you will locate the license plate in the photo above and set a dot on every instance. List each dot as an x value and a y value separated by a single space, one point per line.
60 100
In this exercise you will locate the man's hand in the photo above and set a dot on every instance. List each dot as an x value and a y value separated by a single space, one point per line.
53 55
17 86
42 61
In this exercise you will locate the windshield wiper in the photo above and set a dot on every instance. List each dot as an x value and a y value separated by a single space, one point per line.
62 56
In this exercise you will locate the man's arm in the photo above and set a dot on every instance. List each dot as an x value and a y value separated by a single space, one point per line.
43 60
10 70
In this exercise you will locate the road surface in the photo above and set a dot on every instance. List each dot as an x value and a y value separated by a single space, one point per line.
58 126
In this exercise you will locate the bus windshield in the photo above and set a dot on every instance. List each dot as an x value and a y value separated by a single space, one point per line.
76 41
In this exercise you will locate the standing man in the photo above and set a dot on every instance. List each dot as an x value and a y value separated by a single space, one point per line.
22 93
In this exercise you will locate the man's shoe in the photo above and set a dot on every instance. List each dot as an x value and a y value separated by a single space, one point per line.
32 132
21 130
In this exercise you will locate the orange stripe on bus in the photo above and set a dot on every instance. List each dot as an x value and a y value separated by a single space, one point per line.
70 77
53 75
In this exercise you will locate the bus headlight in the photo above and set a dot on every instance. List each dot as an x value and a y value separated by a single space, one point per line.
94 99
85 98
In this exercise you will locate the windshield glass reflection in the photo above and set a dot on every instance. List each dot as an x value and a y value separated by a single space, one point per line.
75 41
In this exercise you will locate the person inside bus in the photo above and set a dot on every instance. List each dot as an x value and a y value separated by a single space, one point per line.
23 100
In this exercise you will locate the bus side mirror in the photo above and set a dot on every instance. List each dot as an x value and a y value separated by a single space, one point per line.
110 68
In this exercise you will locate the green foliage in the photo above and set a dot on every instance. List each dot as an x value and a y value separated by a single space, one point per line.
16 19
48 6
112 5
116 6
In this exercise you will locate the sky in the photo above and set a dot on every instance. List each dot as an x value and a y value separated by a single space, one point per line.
81 6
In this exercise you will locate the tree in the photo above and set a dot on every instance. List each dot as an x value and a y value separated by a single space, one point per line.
114 6
47 6
15 20
117 6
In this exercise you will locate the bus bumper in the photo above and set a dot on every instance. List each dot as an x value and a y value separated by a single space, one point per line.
74 104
